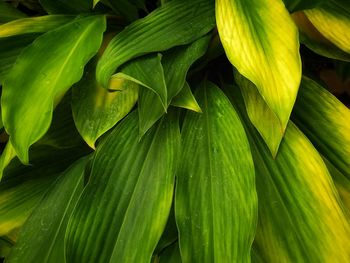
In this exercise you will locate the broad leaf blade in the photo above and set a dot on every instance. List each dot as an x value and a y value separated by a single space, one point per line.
124 208
325 121
262 117
261 41
215 203
38 24
42 236
23 186
26 113
333 22
300 214
96 109
176 23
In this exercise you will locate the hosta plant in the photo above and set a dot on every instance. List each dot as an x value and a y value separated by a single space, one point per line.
175 131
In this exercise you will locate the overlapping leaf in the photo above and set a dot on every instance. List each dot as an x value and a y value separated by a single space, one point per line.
176 23
216 203
261 41
26 112
23 186
96 109
124 208
29 25
333 22
186 100
325 121
262 117
300 215
42 236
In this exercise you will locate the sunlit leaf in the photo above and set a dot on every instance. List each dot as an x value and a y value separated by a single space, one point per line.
38 24
124 208
42 236
215 203
314 40
262 117
333 22
26 112
261 41
176 23
300 215
325 121
96 109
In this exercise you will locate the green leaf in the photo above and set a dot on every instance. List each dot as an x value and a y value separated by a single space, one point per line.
148 72
124 208
333 22
176 23
325 121
6 157
26 113
342 183
66 7
23 186
300 214
10 48
96 109
9 13
38 24
186 100
215 202
261 41
42 236
176 63
262 117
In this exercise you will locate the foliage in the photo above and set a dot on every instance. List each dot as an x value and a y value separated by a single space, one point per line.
174 131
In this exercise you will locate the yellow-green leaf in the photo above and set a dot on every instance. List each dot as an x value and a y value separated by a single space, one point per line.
261 41
38 24
26 112
262 117
333 22
215 202
96 109
325 121
300 214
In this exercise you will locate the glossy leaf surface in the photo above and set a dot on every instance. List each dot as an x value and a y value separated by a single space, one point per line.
176 23
96 109
124 208
300 214
46 242
261 41
216 203
333 22
26 113
326 123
